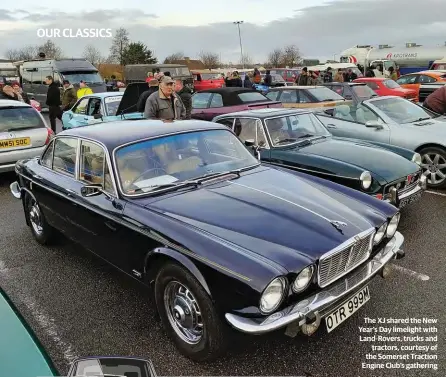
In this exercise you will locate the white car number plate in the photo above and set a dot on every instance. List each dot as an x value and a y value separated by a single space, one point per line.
348 308
404 202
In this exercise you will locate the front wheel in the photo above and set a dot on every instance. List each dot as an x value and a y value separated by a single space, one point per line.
188 314
41 230
433 163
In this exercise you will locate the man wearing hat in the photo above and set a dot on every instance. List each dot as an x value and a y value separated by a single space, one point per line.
165 103
69 96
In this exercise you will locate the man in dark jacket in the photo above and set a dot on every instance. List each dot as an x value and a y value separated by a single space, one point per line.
436 101
268 80
328 76
69 96
153 87
303 78
53 102
186 97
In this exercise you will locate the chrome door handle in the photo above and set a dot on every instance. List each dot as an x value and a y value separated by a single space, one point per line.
70 192
331 126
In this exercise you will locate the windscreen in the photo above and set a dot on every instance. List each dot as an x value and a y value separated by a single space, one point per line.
19 118
324 94
363 91
87 76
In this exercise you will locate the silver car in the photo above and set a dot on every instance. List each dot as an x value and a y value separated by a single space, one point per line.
23 133
397 121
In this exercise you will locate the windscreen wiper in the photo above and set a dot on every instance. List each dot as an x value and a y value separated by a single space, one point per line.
420 119
288 140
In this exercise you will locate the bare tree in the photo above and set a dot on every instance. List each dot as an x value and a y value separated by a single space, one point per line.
51 50
291 56
275 58
119 44
92 54
246 60
174 57
209 59
23 53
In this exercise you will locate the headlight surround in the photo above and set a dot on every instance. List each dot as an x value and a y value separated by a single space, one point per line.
380 233
416 158
393 225
303 279
273 295
366 180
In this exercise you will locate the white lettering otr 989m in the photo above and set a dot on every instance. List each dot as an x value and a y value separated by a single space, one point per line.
74 33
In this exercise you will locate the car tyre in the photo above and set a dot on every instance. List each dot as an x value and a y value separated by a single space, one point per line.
41 230
179 296
431 157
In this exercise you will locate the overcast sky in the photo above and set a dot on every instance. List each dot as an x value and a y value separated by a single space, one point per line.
321 29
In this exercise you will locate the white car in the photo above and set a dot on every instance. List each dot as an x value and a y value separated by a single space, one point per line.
23 133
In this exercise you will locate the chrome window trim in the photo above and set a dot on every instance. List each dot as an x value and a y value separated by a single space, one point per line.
223 128
52 161
52 141
344 246
262 125
77 164
295 142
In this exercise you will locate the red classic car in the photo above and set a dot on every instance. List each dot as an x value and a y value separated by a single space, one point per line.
288 74
207 80
207 104
387 87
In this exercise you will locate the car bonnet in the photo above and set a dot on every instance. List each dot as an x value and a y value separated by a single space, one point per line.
269 207
363 156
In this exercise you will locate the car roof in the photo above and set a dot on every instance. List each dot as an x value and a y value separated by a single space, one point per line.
344 83
264 113
117 133
224 90
105 94
297 87
432 72
12 103
363 79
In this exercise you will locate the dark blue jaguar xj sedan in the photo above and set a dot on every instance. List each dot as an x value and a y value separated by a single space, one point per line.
185 208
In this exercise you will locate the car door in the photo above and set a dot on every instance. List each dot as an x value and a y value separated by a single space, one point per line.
77 116
200 105
358 122
100 215
55 192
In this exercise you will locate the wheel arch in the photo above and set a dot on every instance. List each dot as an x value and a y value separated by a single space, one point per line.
430 145
160 255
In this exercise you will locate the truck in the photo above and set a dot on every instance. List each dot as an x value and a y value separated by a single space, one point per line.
411 58
138 72
8 72
34 72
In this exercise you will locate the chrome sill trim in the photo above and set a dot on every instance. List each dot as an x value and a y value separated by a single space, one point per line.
320 301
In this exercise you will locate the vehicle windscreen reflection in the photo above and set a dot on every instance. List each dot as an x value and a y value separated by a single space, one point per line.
292 128
403 111
112 367
172 160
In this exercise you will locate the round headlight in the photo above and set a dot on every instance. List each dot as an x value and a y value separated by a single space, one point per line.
366 180
273 295
393 225
416 158
303 279
379 235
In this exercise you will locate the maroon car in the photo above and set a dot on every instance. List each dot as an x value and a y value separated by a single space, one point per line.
207 104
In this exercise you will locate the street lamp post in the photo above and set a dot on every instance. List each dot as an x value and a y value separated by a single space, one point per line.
240 39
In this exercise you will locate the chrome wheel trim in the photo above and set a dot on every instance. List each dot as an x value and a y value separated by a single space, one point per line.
434 166
183 312
35 217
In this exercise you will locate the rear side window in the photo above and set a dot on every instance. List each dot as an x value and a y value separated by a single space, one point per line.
200 100
217 100
252 97
273 95
47 158
19 118
65 155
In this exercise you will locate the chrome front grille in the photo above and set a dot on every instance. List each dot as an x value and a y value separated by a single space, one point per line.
403 185
344 258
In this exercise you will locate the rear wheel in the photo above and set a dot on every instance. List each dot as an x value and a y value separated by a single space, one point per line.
433 162
41 230
188 314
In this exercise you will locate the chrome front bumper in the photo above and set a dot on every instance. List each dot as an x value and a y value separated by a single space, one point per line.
320 303
396 198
